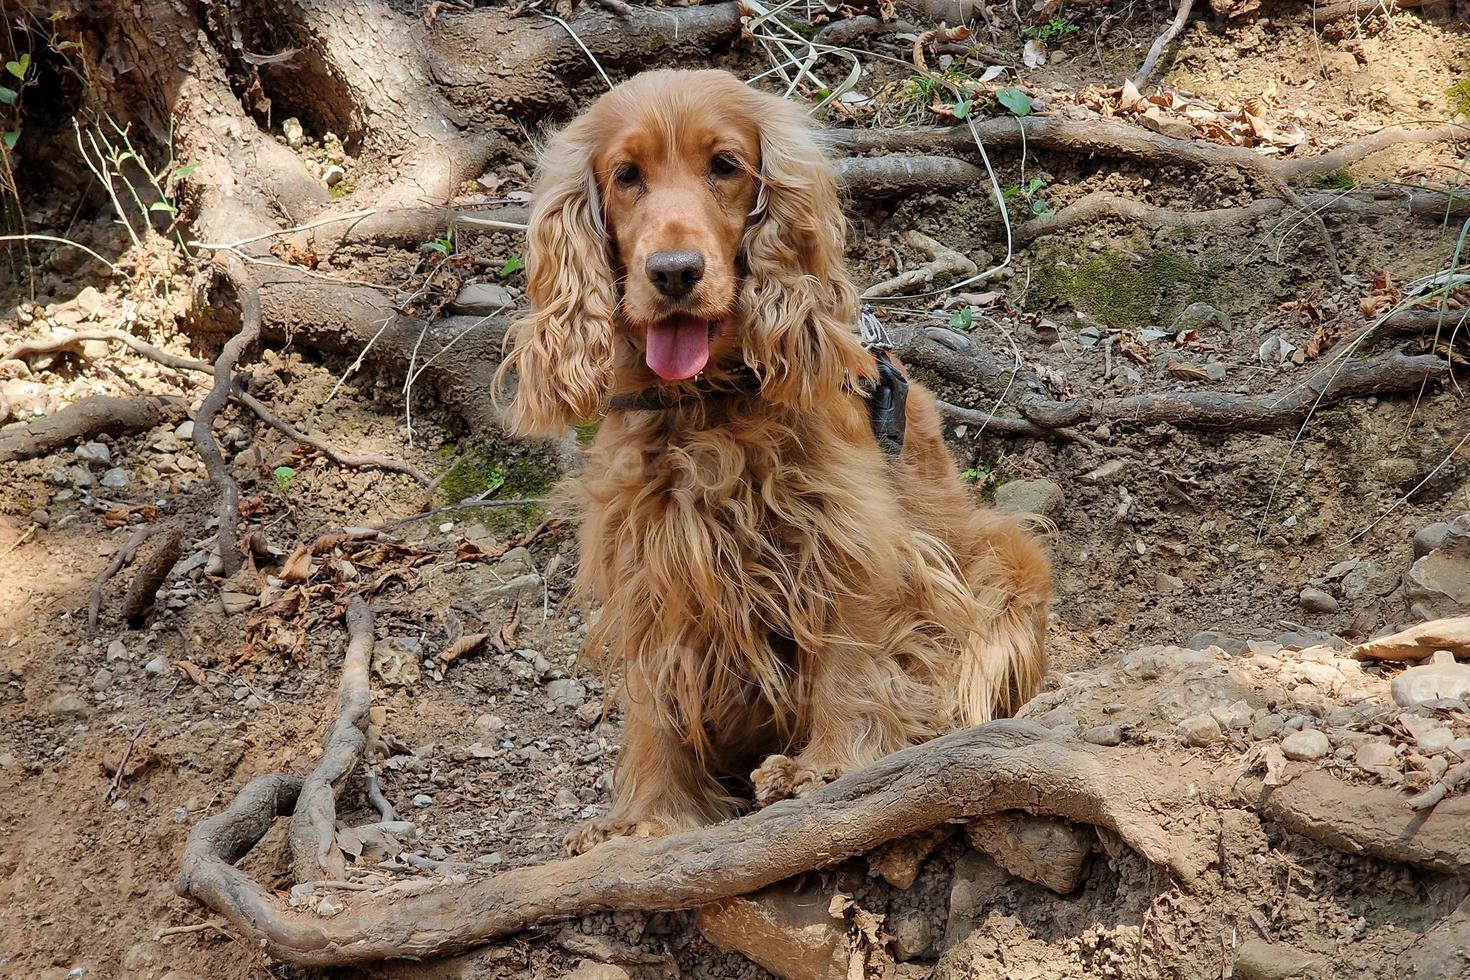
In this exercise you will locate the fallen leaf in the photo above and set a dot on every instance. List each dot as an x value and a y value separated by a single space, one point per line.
1133 348
196 675
297 568
465 644
1187 372
1034 54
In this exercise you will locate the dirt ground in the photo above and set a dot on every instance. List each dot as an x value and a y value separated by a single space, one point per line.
1201 539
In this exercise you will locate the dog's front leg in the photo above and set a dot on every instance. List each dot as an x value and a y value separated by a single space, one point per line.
659 787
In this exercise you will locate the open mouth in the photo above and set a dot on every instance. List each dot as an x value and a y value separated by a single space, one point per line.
677 347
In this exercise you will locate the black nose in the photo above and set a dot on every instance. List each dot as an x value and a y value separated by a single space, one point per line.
674 273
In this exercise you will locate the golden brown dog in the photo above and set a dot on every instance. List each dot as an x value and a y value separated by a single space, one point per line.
773 587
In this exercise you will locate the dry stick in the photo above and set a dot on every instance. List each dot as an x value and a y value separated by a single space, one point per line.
86 419
311 835
371 461
979 771
74 340
1445 785
120 558
1389 373
150 577
1162 42
227 549
122 765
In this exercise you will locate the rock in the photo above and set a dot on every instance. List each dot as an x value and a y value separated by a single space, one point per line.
1430 537
1105 472
1398 471
1364 579
1199 730
90 301
1435 740
422 800
396 660
1375 756
1438 584
1208 638
515 562
68 705
185 430
976 882
589 713
333 175
1260 960
291 129
1199 316
791 935
1040 497
1441 679
1305 746
593 970
102 680
1233 717
489 723
117 650
1103 735
1418 642
157 665
898 861
566 797
566 692
1044 850
81 477
913 936
329 906
1165 582
93 453
1267 726
1215 371
1315 600
115 479
519 586
232 603
481 299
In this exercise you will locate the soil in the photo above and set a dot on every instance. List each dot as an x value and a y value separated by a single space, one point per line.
508 751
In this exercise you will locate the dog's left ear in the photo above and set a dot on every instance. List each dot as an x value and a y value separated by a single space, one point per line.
801 305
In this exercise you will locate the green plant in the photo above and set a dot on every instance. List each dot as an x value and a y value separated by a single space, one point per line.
1338 180
444 244
512 265
962 319
1029 191
977 477
284 476
20 69
1018 102
1052 30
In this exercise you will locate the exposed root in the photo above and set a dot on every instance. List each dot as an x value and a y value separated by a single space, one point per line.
1328 13
364 461
226 560
1001 425
944 264
86 419
311 836
882 177
152 571
1387 374
1161 42
120 558
72 344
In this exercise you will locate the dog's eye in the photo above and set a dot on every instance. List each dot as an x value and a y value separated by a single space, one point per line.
627 175
724 165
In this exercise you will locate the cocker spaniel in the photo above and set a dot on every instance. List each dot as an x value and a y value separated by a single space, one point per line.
777 592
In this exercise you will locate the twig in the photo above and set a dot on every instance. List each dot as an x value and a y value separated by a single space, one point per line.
120 558
1024 427
371 461
1442 788
18 542
1162 42
122 765
61 241
196 927
226 559
375 796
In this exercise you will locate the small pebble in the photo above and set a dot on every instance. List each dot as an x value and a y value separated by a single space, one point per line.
1103 735
1304 746
422 800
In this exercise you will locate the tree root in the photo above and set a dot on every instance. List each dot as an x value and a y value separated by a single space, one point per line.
944 264
1001 425
362 461
1387 374
226 559
72 344
885 177
1328 13
1161 42
86 419
150 576
1104 206
120 558
311 835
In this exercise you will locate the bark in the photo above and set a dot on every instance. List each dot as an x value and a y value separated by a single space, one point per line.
150 576
87 419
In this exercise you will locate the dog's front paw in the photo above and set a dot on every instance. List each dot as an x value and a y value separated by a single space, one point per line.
781 777
594 832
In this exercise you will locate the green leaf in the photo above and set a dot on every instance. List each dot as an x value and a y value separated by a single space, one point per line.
962 319
512 265
1040 207
1033 185
186 170
1015 100
19 67
962 108
11 138
283 474
163 206
8 95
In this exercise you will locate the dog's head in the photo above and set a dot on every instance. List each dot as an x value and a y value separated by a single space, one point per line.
682 223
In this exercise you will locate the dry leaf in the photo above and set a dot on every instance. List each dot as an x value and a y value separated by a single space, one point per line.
297 568
1133 348
467 550
1034 54
1187 372
196 675
465 644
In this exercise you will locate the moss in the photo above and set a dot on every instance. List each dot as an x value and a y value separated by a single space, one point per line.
1338 180
1458 96
479 468
343 187
1125 291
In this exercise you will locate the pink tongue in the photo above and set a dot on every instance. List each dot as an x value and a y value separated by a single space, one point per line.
678 348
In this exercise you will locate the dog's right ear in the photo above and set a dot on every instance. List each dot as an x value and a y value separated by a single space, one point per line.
561 350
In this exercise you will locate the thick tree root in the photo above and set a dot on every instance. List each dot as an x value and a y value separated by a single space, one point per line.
885 177
120 558
87 419
149 578
1387 374
311 836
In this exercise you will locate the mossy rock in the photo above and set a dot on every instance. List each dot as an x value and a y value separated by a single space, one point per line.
1126 291
509 471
